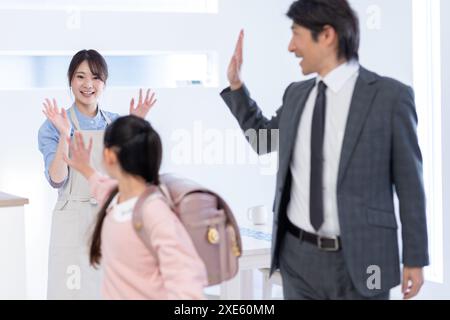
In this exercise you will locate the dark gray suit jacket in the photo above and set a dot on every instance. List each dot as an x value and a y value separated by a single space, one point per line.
380 154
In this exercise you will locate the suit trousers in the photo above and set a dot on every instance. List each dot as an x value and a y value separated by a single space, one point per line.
309 273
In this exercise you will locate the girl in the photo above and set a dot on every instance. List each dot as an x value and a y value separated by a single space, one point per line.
172 268
69 273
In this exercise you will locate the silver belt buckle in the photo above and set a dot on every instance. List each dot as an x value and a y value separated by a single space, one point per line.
333 249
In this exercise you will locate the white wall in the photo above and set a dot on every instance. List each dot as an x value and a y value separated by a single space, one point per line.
434 290
445 34
269 68
386 37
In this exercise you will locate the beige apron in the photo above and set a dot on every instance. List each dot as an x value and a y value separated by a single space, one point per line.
70 275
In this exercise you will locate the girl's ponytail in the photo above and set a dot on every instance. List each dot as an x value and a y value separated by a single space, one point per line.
153 159
95 253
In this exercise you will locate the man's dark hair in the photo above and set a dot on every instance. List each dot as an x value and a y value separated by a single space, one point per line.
316 14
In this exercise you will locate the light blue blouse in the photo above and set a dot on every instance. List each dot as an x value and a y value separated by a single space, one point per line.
48 137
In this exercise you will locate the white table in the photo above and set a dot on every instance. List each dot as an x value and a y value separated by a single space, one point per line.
12 247
256 255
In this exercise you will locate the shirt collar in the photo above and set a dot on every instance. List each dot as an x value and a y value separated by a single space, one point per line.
337 78
84 118
125 206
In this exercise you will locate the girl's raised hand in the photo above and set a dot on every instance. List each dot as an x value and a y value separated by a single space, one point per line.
80 155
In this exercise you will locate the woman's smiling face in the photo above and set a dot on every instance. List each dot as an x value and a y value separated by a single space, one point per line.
86 86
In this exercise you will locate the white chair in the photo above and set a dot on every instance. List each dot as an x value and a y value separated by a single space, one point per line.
268 282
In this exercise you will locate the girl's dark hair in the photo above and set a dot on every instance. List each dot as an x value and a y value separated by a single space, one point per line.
139 151
316 14
96 62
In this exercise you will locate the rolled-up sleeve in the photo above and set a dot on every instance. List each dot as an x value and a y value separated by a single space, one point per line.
48 139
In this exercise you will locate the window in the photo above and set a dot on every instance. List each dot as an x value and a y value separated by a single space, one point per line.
427 84
36 70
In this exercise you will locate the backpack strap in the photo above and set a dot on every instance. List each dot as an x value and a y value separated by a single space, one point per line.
237 241
150 194
164 191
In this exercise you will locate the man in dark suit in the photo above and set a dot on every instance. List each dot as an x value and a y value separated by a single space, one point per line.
347 141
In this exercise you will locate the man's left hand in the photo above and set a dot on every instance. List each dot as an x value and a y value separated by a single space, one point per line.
412 282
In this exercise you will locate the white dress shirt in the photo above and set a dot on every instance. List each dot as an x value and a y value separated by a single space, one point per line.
340 86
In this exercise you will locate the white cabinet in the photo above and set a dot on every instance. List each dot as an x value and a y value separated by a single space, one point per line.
12 247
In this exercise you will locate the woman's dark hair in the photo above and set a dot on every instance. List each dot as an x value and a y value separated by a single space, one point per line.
139 151
96 62
316 14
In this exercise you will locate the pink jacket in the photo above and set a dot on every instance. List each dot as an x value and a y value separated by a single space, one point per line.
172 270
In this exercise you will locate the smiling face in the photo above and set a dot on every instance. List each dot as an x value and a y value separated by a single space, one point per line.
315 54
305 47
86 86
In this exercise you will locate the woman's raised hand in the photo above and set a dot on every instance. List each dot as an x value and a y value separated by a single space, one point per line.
143 107
57 117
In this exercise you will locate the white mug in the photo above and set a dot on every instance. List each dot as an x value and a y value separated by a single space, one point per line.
258 215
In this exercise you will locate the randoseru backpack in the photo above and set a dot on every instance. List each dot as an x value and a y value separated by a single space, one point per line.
206 217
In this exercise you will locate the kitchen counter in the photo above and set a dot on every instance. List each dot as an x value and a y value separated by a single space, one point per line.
7 200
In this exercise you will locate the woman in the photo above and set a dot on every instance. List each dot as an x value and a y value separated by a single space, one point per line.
69 273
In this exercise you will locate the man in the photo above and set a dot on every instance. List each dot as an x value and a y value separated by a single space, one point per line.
347 139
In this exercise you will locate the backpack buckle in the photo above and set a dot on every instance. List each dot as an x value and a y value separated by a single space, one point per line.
213 235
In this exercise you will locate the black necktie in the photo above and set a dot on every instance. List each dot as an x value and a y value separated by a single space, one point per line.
317 160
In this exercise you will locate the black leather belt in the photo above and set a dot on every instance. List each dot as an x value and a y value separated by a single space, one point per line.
324 244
